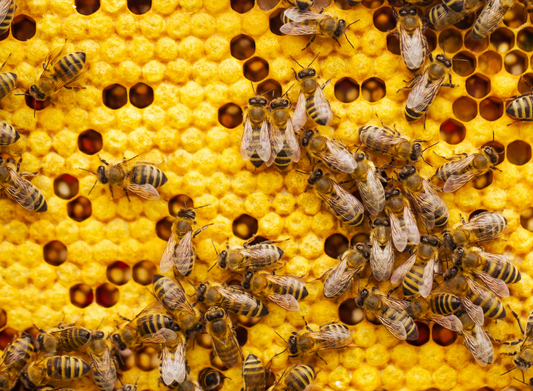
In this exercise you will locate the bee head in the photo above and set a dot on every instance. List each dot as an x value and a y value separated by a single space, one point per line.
307 137
363 250
257 100
306 72
187 213
406 172
117 341
97 334
280 102
492 154
416 152
393 192
360 156
293 348
458 256
521 363
26 380
246 280
444 60
100 174
200 292
36 94
450 273
315 176
341 28
222 259
361 296
448 240
215 313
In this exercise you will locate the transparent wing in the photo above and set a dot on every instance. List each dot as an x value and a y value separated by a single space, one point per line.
167 262
300 114
423 93
346 203
412 48
251 254
455 166
475 312
338 279
484 222
397 304
243 300
50 60
180 363
399 236
20 192
381 260
296 15
183 256
146 191
161 336
399 274
427 280
5 5
372 193
494 284
246 141
450 322
339 157
492 14
480 346
264 150
287 302
176 299
331 337
167 366
292 142
410 225
276 139
395 327
455 182
299 29
104 368
322 106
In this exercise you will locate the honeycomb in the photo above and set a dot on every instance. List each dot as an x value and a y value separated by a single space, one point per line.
169 79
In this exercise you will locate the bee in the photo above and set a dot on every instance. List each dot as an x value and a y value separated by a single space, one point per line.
68 338
451 12
225 343
443 303
490 17
404 230
521 108
149 326
295 378
413 43
416 274
15 358
430 207
7 12
141 178
174 299
382 253
334 154
179 251
250 257
185 386
305 5
369 186
60 71
282 134
284 291
173 365
18 188
457 173
128 387
231 298
343 205
421 309
253 374
484 226
426 86
8 133
388 311
352 262
476 340
210 379
56 368
103 365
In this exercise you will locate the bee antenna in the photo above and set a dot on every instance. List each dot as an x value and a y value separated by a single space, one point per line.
283 339
348 40
286 92
79 168
136 381
95 182
318 54
200 207
302 172
264 93
352 23
432 145
510 370
214 264
184 201
214 247
296 61
520 381
253 89
425 161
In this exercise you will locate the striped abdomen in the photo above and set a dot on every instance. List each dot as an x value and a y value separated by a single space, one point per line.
32 200
444 172
253 374
492 306
342 335
73 338
225 342
444 303
284 157
66 368
151 175
369 137
168 292
255 145
18 354
69 66
521 108
441 214
347 215
8 80
319 114
8 134
413 279
104 378
246 305
299 378
507 272
151 324
271 255
295 288
404 318
4 26
412 115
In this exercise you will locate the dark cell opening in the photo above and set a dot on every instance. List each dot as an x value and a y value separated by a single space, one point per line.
518 152
476 45
342 4
451 39
7 336
255 69
210 379
491 108
242 335
483 181
335 245
79 209
216 362
163 228
87 7
107 295
373 89
205 341
115 96
490 63
372 4
230 115
431 37
242 6
55 253
464 64
258 239
515 62
4 36
242 47
147 359
525 84
499 148
126 361
139 7
275 21
478 86
245 226
524 39
90 142
267 5
442 336
181 201
349 313
423 334
516 16
467 22
452 131
502 40
393 44
36 105
3 318
270 89
143 272
141 95
465 108
23 27
384 20
66 186
346 90
81 295
118 273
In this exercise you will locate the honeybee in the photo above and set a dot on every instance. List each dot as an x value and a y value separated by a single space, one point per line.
369 186
285 291
484 226
232 298
18 188
141 178
334 154
185 386
413 43
490 17
521 108
56 368
382 254
421 309
103 364
253 374
305 5
128 387
476 340
179 251
225 343
8 133
404 230
250 257
451 12
389 312
416 274
173 364
426 86
343 205
7 11
282 133
295 378
431 208
174 299
68 338
352 262
443 303
210 379
15 358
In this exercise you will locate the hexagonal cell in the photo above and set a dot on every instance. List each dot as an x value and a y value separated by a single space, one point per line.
476 45
384 20
465 108
500 149
524 39
483 181
491 108
515 62
372 4
181 201
423 334
478 86
55 253
267 5
359 238
335 245
373 89
205 341
126 360
141 95
349 313
66 186
451 39
245 226
342 4
502 40
393 44
519 152
255 69
346 90
36 105
79 209
107 295
118 273
23 27
81 295
7 336
163 228
242 6
230 115
242 47
275 21
525 84
115 96
242 335
526 219
147 359
516 16
431 37
443 336
452 131
270 89
139 7
143 272
464 64
212 377
90 142
87 7
490 63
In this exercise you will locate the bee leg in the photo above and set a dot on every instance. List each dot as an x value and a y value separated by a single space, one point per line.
321 276
127 195
392 290
111 190
309 43
496 168
200 230
306 324
320 357
337 40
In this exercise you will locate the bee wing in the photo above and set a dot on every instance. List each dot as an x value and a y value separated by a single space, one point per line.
480 346
276 140
287 302
167 366
250 254
153 308
381 260
332 337
161 336
494 284
475 312
322 106
450 322
5 5
423 93
246 140
397 304
295 28
264 150
485 224
243 300
399 235
339 157
399 274
372 193
103 367
292 142
146 191
492 14
456 165
455 182
167 262
180 364
427 279
300 114
338 279
182 257
395 327
345 203
411 227
296 15
51 58
412 48
20 191
177 300
500 259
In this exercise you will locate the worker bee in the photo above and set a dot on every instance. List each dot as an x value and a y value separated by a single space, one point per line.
225 343
173 365
426 86
231 298
68 338
141 178
282 133
421 309
295 378
352 262
284 291
443 303
179 251
382 254
389 312
15 358
476 340
369 186
413 43
56 368
128 387
334 154
451 12
253 374
174 299
343 205
210 379
7 12
8 133
305 5
490 17
103 365
18 188
431 208
185 386
416 274
250 257
404 230
484 226
521 108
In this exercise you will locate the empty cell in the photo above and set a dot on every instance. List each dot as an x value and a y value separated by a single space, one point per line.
451 39
66 186
336 245
23 27
384 20
242 335
245 226
230 115
423 334
205 341
465 108
242 6
500 149
515 62
242 47
119 273
491 108
55 253
483 181
442 336
90 142
139 7
267 5
107 295
211 379
143 272
525 84
115 96
519 152
258 239
270 89
372 4
393 44
431 37
126 360
516 16
478 86
476 213
255 69
87 7
141 95
181 201
79 209
163 228
502 40
524 39
147 359
275 21
373 89
490 63
526 219
464 63
346 90
81 295
452 131
349 313
476 45
5 35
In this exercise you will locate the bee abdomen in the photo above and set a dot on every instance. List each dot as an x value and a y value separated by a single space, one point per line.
74 338
69 66
282 160
411 115
300 377
506 272
151 175
104 381
7 83
444 303
18 354
412 280
151 324
8 134
492 306
4 26
314 112
66 368
521 108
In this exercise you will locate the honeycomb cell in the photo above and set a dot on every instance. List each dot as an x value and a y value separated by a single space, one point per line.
36 105
346 90
384 20
335 245
23 27
524 39
6 337
79 209
500 149
342 4
245 226
115 96
452 131
242 335
107 295
267 5
143 272
242 6
451 40
230 115
163 228
139 7
118 273
526 219
90 142
515 62
476 45
423 334
475 213
502 40
66 186
516 16
3 319
483 181
181 201
359 238
372 4
270 89
349 313
373 89
431 38
465 108
242 47
491 108
518 153
255 69
126 360
490 63
525 83
87 7
393 44
478 86
55 253
141 95
81 295
146 359
275 21
443 336
464 64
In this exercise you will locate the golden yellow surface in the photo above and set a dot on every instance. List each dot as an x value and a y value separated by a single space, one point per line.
181 48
